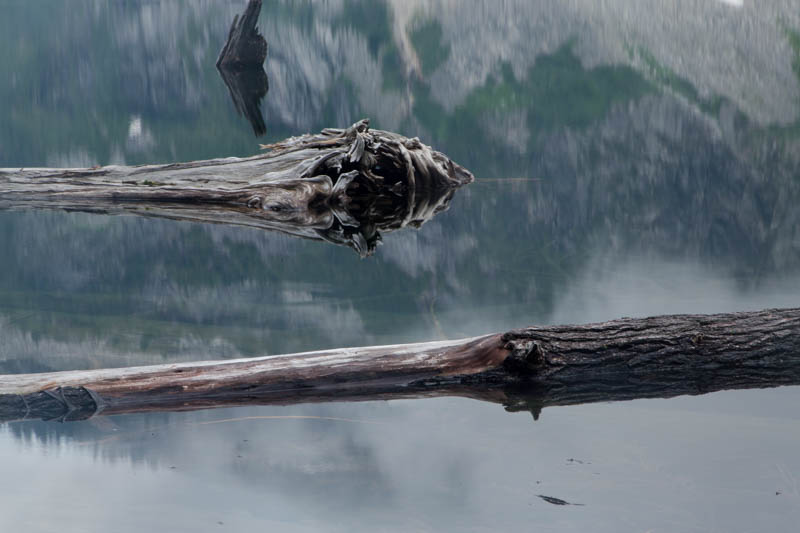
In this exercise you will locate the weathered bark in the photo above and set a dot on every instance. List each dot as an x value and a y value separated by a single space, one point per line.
342 186
245 47
523 369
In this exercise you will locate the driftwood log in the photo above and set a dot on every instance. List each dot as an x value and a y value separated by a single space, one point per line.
523 369
343 186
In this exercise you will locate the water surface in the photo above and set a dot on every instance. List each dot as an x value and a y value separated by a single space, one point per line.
632 158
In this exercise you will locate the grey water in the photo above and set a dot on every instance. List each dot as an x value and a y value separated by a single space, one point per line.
632 158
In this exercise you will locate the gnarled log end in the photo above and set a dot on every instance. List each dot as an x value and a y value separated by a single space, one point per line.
389 157
383 181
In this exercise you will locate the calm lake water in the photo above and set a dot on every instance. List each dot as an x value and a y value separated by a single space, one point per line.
633 157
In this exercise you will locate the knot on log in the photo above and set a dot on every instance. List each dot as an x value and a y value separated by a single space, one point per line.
526 356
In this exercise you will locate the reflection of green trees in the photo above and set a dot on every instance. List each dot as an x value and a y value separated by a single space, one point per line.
557 91
794 42
125 260
791 131
426 36
246 306
373 20
74 87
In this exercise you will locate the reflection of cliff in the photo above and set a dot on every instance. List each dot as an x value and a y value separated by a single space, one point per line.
124 292
738 52
457 45
652 176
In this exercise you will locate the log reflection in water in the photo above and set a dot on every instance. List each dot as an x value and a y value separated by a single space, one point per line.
247 88
54 405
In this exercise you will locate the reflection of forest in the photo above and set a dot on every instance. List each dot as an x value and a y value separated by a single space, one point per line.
635 155
334 62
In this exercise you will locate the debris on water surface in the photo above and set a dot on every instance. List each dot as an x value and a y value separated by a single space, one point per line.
578 461
557 501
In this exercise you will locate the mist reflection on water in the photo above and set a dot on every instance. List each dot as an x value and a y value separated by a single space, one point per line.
422 465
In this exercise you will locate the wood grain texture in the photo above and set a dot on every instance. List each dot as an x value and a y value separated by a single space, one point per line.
524 369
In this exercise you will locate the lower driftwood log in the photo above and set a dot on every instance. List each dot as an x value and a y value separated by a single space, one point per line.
524 369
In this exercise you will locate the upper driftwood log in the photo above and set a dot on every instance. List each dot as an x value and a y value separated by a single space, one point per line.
524 369
240 64
342 185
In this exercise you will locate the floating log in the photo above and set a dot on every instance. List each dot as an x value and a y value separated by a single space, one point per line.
343 186
523 369
247 88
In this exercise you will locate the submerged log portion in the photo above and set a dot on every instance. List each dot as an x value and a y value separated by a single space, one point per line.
341 186
523 369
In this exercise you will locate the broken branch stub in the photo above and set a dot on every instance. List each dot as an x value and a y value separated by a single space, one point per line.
343 186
